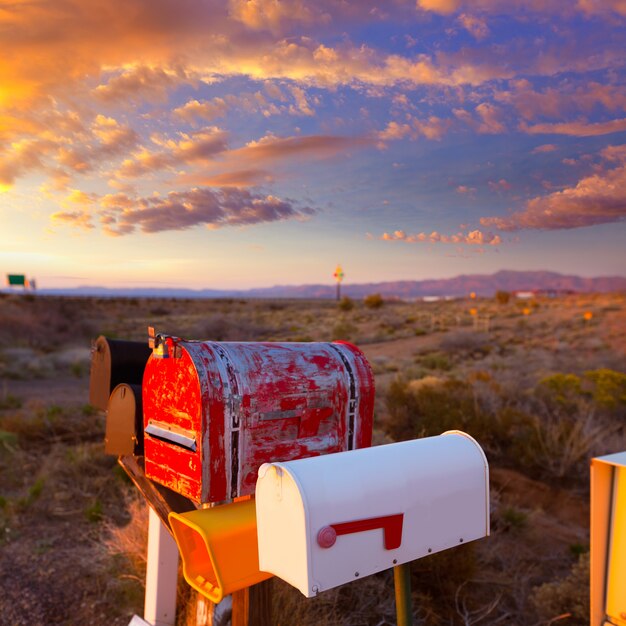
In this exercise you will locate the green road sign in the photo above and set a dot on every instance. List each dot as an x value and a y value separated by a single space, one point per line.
16 280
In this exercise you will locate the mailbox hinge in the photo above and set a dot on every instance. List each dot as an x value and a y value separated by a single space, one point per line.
233 408
353 400
163 346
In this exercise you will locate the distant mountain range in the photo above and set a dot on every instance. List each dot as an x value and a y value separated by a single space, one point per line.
481 284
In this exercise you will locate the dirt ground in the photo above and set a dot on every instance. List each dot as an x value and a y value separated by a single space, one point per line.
70 526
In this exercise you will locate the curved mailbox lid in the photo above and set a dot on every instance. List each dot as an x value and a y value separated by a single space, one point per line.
436 489
215 411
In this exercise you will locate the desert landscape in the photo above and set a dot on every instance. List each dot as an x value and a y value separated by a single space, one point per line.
540 383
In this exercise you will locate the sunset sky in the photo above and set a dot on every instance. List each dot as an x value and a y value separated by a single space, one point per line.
251 143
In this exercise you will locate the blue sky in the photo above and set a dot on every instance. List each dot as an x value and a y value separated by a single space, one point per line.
258 142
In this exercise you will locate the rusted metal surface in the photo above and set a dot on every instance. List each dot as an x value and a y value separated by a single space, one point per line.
243 404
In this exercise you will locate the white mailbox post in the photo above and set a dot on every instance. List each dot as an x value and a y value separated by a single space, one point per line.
328 520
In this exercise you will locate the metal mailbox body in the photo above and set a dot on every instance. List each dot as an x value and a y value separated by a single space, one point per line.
215 411
608 540
322 522
114 362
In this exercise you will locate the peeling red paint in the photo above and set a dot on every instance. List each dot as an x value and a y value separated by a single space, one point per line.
245 404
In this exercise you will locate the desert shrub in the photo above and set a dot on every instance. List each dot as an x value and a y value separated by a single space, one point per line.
511 518
429 409
602 391
438 577
466 342
9 401
223 328
566 596
565 444
346 304
609 388
513 431
373 301
435 361
43 322
502 297
365 602
560 392
343 330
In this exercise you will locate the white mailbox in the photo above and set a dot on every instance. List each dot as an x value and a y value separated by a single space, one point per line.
324 521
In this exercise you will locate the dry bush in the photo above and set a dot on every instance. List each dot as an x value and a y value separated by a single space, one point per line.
564 445
502 297
36 423
44 323
518 432
567 597
429 409
373 301
343 330
130 541
366 602
346 304
463 342
226 328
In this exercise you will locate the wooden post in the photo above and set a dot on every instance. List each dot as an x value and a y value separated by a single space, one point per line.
161 574
253 606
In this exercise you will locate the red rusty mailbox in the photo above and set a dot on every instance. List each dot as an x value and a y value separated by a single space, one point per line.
215 411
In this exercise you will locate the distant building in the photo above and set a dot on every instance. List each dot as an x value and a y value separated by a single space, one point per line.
544 293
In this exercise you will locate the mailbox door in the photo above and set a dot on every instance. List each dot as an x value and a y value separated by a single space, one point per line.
124 421
616 566
176 437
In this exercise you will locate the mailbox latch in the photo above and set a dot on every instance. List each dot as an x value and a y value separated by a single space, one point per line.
163 346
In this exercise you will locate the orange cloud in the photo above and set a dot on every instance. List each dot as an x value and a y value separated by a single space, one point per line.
273 15
577 129
499 185
546 147
207 110
237 178
78 219
314 146
199 147
596 199
25 156
120 214
476 26
512 7
464 189
490 119
143 83
472 238
565 100
433 128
